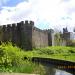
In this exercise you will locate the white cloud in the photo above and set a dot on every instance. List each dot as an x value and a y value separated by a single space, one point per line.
14 14
56 13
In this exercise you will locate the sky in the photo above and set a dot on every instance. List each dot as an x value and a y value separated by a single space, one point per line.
46 14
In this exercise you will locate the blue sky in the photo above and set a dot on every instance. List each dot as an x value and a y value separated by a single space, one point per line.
45 13
11 3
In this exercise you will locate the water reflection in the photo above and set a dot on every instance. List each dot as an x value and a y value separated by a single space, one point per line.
60 72
50 70
54 71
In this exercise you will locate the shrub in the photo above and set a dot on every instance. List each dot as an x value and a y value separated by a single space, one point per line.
9 55
12 60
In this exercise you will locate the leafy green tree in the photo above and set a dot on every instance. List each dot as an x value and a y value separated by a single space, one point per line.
57 39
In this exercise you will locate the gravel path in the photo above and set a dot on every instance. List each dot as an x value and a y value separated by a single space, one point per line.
17 74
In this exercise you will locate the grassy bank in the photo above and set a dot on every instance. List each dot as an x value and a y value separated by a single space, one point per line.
12 58
56 52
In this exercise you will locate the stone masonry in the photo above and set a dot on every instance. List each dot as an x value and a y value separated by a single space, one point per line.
25 35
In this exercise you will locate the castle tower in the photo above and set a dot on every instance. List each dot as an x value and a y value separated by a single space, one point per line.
28 34
24 33
14 33
50 37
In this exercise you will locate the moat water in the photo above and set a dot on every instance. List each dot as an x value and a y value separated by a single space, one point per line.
54 71
60 72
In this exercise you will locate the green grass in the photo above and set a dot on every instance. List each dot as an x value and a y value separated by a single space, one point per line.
12 58
55 52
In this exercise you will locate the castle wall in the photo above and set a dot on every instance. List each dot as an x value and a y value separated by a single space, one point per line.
39 38
25 35
19 34
50 37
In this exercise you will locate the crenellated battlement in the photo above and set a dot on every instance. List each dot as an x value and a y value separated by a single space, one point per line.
17 33
23 23
31 23
24 34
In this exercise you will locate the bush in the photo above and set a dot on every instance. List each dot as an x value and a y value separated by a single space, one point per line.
10 56
12 60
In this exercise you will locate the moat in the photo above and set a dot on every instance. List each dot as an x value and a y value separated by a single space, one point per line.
53 71
56 67
60 72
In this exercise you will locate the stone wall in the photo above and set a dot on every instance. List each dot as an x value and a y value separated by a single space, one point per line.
39 38
24 35
50 37
19 34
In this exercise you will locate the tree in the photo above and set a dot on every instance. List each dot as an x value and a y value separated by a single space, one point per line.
57 39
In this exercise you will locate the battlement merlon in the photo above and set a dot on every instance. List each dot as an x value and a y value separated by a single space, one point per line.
32 23
14 25
4 27
29 23
9 27
21 24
